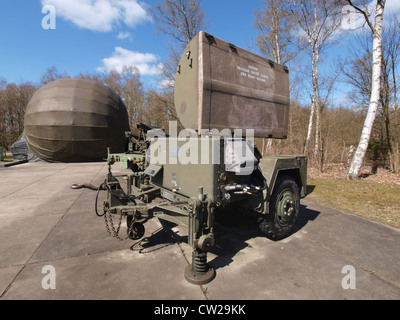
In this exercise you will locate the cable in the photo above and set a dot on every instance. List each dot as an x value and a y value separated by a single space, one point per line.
97 196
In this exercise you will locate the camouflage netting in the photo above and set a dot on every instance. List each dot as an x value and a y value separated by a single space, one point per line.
71 120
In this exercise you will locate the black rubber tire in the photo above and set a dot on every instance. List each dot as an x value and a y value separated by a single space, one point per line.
273 225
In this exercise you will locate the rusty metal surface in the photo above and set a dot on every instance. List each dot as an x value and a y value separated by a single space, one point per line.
221 86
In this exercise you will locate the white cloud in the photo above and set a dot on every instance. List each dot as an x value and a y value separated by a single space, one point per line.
352 19
145 62
99 15
167 83
132 12
124 35
392 6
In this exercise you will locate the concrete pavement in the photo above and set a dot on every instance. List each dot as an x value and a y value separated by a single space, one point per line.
43 222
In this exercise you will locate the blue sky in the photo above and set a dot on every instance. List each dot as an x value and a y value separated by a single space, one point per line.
89 38
92 35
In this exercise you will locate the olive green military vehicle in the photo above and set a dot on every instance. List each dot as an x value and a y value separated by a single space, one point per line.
224 97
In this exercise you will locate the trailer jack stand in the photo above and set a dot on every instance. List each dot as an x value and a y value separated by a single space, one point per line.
199 272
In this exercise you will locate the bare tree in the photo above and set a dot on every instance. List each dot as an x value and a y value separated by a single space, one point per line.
388 92
13 101
180 21
385 134
391 60
275 23
3 113
132 94
318 21
159 110
52 74
128 86
357 70
376 29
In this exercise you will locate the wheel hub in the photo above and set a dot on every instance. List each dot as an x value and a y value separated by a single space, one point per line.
285 208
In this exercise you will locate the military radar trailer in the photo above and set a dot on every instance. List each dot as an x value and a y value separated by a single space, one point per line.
224 97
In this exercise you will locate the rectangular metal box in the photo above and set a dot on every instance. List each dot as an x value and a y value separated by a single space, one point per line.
186 164
221 86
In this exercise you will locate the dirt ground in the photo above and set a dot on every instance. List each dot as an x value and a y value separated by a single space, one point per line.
381 175
374 196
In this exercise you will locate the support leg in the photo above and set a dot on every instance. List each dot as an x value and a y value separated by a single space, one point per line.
199 272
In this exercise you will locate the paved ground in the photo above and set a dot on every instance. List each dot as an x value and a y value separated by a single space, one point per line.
44 222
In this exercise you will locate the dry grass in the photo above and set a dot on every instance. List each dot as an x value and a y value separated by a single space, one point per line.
375 196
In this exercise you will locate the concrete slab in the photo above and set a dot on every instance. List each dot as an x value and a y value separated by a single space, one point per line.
44 222
366 244
21 237
282 270
7 275
122 274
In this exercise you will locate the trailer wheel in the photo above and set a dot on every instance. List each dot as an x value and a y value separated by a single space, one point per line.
283 209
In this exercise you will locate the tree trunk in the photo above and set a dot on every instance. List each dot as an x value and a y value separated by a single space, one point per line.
385 106
396 163
313 103
317 110
375 93
309 131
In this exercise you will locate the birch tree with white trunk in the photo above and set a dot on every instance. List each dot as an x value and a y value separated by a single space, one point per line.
275 23
318 21
376 29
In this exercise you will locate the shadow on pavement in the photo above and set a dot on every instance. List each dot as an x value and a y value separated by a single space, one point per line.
160 238
233 228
